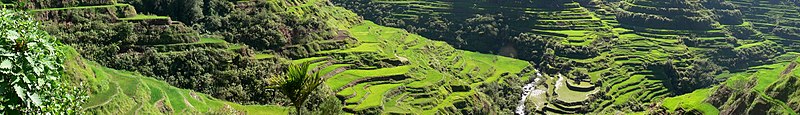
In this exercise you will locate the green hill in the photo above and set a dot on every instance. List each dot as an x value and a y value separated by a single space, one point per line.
614 55
413 56
111 90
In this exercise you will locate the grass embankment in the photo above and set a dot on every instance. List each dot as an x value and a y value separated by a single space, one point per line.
121 92
145 17
692 101
82 7
765 76
349 76
364 92
423 56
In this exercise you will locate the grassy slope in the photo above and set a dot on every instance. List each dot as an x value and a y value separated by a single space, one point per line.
693 101
399 42
765 76
346 77
419 51
117 92
121 92
423 56
81 7
144 17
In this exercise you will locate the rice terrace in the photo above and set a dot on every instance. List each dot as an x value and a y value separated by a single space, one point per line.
399 57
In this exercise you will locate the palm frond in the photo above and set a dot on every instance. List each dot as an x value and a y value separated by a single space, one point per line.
298 83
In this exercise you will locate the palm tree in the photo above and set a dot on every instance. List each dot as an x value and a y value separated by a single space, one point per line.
298 84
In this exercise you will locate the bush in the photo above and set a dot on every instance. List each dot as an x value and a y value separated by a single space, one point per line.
267 30
685 80
31 66
65 3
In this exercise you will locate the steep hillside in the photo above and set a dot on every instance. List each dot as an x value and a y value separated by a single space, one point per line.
32 77
614 55
370 68
558 56
767 89
428 76
483 26
121 92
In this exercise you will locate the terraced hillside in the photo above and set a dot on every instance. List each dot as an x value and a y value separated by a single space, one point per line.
644 60
112 90
558 56
575 24
614 55
372 69
402 73
114 35
600 61
582 35
777 19
482 26
762 89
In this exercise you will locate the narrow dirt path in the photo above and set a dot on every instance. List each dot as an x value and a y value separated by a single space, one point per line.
789 69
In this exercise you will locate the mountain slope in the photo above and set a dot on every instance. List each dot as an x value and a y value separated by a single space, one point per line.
119 92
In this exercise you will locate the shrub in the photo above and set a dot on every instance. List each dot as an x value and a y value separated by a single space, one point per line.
31 66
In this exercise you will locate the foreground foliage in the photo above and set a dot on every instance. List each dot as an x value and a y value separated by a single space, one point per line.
298 84
33 78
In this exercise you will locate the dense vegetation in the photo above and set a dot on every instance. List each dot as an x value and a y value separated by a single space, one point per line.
33 80
558 57
615 55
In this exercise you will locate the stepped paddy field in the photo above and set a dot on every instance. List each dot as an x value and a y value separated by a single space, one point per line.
399 57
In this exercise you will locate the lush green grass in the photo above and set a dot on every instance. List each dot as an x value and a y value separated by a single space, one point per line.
235 47
565 94
203 40
765 75
262 56
632 80
175 98
419 52
751 45
81 7
692 101
145 17
393 105
358 92
376 96
424 55
101 98
156 94
131 90
431 78
312 59
331 68
367 47
347 77
499 63
140 91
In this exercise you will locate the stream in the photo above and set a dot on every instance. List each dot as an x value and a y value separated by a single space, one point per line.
529 90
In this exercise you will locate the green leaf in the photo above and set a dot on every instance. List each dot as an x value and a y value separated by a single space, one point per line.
40 82
6 64
25 78
36 99
20 92
13 35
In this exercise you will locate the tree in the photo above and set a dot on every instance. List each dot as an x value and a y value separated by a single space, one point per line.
298 84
